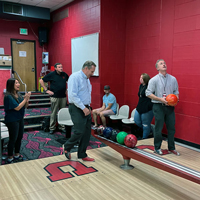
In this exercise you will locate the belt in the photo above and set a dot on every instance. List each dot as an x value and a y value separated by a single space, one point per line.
87 106
161 104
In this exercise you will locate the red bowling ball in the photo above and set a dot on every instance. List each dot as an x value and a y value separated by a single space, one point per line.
172 99
130 140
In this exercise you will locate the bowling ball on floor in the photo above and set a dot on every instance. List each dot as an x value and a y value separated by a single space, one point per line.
121 136
100 130
130 140
172 99
114 135
107 132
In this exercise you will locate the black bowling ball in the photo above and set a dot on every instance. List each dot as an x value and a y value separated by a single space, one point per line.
113 135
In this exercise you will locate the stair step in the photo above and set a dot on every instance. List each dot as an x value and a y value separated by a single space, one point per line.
32 126
39 99
40 95
39 104
36 116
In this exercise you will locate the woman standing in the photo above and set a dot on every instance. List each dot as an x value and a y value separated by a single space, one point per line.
144 114
14 106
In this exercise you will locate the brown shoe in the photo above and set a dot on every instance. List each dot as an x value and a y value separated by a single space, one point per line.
88 159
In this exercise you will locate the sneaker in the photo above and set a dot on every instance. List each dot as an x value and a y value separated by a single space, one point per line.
158 151
67 154
88 159
19 158
94 127
174 152
9 161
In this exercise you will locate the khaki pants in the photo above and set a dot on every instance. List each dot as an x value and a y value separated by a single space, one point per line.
56 104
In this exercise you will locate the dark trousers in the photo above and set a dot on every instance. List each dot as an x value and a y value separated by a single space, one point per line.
164 114
81 131
16 131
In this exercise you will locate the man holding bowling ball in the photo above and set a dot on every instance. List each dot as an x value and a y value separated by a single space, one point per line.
158 88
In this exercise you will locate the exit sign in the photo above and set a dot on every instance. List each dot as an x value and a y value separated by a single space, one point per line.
23 31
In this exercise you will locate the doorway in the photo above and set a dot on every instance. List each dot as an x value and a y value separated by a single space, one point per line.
23 60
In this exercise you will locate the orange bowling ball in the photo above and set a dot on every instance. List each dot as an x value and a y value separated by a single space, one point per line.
172 99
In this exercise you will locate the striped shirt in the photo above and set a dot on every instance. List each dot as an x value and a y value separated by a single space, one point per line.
160 84
79 89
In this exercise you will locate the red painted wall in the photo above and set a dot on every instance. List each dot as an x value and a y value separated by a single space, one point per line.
10 29
169 30
84 19
4 76
112 47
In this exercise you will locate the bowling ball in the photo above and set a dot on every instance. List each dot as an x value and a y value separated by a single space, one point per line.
114 135
172 99
121 136
100 130
107 132
130 140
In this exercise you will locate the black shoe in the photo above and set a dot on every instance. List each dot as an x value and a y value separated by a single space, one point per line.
51 132
19 158
67 154
9 161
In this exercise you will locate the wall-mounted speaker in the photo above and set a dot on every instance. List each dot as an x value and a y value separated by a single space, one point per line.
43 35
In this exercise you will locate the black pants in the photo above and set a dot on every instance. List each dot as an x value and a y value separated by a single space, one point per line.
81 131
16 131
164 114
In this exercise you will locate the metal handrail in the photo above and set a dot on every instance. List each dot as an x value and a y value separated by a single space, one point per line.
21 81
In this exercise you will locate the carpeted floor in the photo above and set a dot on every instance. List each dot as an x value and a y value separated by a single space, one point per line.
39 144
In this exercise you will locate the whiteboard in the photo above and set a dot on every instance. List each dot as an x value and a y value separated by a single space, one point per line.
85 48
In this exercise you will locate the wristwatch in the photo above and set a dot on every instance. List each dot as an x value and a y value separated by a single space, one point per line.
45 90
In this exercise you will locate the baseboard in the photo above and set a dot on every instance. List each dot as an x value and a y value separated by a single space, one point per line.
185 142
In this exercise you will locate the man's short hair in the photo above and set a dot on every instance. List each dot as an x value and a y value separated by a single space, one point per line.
158 62
88 64
55 66
106 87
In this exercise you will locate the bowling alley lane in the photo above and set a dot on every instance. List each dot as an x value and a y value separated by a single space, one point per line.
190 157
102 179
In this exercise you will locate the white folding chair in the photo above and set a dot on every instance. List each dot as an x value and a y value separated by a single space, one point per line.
3 134
123 113
64 117
117 109
131 119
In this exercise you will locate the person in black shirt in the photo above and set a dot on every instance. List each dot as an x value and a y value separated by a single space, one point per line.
58 80
14 106
144 114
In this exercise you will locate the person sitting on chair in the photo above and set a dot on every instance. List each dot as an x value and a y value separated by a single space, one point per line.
109 107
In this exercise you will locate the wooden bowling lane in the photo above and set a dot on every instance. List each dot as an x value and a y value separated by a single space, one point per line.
189 157
140 154
29 180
